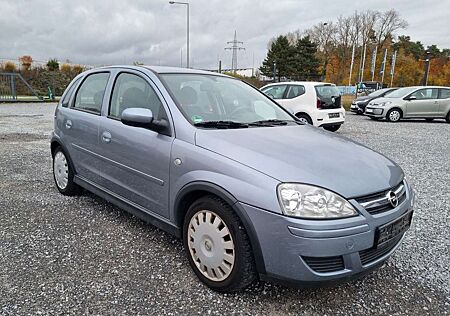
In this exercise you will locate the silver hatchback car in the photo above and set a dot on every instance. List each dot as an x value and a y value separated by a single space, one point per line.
252 191
412 102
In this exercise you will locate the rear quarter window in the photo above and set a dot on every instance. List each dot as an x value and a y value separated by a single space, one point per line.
68 95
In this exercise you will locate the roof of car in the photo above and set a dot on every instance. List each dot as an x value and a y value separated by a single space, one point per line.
310 83
166 70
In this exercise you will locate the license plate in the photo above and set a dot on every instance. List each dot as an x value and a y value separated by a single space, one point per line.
369 110
391 230
333 115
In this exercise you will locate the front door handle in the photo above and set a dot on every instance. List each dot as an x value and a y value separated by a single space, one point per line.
68 124
106 137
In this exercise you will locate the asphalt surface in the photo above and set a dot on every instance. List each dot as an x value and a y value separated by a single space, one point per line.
81 255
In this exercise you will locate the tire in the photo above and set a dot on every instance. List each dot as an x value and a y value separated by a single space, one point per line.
447 118
393 115
63 174
217 245
332 128
429 119
375 118
304 118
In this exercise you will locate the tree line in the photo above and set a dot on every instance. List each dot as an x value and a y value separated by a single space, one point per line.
325 52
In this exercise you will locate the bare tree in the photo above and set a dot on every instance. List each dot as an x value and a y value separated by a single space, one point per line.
388 23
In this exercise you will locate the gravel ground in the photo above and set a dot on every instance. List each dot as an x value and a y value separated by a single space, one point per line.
81 255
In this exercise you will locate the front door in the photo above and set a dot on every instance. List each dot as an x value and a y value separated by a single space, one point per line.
425 104
136 160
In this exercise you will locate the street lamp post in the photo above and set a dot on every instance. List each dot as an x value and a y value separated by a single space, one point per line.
187 32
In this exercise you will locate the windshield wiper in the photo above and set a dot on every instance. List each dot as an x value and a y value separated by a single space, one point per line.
221 124
271 122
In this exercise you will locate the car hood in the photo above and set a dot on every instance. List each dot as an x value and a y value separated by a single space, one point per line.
305 154
383 99
363 98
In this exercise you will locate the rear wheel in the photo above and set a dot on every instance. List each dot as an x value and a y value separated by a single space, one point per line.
217 245
304 118
63 174
447 118
332 128
394 115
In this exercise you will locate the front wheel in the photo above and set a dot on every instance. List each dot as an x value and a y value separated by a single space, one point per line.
305 119
332 128
394 115
217 245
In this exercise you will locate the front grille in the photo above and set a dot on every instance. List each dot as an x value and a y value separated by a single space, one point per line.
378 203
369 255
325 264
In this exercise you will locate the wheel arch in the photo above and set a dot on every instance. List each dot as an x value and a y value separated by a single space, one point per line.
298 113
195 190
55 143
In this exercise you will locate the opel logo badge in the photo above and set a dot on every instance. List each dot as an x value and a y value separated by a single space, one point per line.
392 198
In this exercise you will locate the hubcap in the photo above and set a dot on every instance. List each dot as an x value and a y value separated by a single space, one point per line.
303 120
211 245
60 170
394 116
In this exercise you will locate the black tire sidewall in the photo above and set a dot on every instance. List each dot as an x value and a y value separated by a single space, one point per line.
226 214
306 117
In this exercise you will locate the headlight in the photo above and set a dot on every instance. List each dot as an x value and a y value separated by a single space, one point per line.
385 103
306 201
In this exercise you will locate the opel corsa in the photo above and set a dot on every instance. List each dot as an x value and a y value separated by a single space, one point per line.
251 191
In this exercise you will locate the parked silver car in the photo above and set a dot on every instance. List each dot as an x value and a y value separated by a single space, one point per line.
252 191
412 102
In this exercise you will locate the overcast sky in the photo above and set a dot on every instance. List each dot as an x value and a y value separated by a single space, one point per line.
152 31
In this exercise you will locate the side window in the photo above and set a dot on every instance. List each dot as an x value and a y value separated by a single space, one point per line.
275 92
424 94
444 94
131 91
90 95
295 91
68 95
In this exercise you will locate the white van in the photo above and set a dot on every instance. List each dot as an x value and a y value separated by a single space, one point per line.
315 103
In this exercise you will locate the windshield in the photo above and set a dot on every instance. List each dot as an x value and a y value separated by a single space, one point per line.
209 98
400 92
378 92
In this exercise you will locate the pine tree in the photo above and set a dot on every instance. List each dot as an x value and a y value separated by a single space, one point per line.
281 52
305 64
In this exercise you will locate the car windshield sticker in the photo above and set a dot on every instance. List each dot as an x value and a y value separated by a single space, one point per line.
197 118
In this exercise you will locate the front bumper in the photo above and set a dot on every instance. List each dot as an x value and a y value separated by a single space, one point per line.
356 108
374 111
347 245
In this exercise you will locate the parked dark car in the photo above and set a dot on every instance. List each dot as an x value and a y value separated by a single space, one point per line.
359 104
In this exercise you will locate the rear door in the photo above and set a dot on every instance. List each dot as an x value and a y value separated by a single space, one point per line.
136 160
444 101
80 122
425 104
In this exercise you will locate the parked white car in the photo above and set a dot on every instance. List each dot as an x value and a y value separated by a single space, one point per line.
316 103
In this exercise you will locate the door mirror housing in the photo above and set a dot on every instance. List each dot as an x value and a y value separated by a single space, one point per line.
139 117
411 97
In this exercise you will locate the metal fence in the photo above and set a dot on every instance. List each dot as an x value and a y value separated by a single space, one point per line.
8 87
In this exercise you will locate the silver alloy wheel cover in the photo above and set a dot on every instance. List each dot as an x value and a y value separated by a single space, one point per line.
211 245
394 115
61 170
303 120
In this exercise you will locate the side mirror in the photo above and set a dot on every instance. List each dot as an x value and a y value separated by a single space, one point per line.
411 97
140 117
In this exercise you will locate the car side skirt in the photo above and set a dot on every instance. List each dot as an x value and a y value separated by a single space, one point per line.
133 208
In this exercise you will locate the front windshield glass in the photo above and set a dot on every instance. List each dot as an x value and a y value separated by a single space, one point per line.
377 93
400 92
210 98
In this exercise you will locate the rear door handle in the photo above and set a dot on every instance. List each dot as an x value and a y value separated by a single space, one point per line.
106 137
68 124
